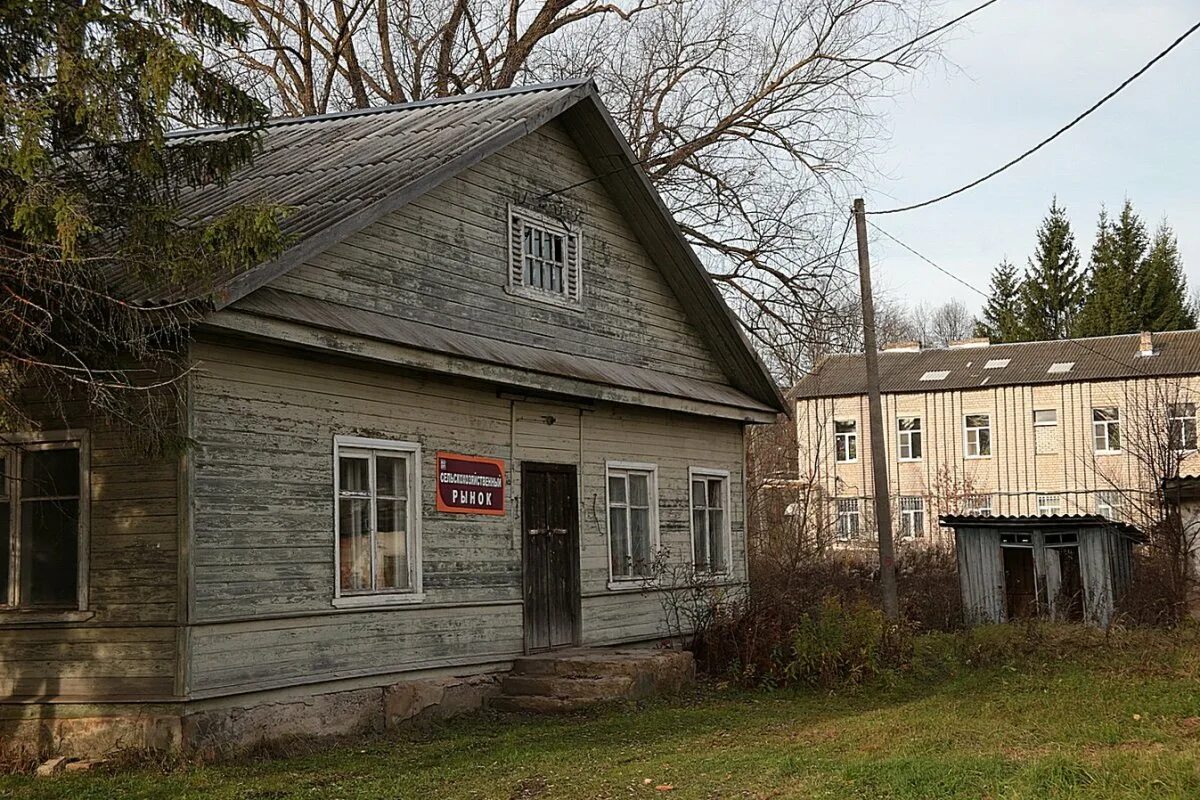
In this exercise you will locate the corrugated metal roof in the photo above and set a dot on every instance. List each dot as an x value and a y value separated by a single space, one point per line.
333 169
1058 521
1100 358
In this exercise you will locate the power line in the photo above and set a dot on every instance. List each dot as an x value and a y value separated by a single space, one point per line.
1053 136
1077 342
859 68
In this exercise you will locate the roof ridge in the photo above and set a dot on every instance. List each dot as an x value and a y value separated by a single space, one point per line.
275 122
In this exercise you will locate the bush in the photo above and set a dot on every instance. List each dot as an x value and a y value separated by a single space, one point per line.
834 645
754 641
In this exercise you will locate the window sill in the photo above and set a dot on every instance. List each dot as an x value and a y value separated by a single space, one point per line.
378 600
633 584
910 460
854 461
976 458
544 297
34 616
1108 452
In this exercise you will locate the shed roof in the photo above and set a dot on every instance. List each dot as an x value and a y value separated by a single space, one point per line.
338 173
1017 364
1075 522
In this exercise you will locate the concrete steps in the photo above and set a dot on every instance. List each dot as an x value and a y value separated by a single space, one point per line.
569 680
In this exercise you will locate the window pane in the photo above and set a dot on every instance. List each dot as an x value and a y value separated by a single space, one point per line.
639 489
391 542
699 500
699 530
985 442
618 542
845 427
639 529
716 538
354 477
354 544
716 497
1114 436
49 552
50 473
391 477
1049 417
616 489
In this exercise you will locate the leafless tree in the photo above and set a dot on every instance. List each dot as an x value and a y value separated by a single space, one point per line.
1158 434
746 114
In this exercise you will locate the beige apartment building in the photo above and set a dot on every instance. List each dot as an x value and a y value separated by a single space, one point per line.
1079 426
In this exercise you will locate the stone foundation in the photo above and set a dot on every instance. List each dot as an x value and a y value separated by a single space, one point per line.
79 731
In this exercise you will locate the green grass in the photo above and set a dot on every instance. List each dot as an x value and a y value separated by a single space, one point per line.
1094 725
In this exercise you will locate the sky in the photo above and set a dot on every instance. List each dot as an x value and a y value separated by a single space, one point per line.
1013 74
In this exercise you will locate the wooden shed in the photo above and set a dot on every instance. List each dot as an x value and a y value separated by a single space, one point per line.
1068 568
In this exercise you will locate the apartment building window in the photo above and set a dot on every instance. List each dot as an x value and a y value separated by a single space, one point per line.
1045 431
1181 426
1049 504
845 441
1108 504
1106 430
979 505
908 438
977 429
912 517
849 518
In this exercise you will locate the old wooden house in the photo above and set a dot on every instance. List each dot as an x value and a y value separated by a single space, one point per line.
485 389
1070 568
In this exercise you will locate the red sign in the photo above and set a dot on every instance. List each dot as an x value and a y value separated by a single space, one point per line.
470 484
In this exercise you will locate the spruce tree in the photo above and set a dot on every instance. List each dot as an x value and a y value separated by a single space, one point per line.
1162 288
1001 320
1052 292
1114 294
89 188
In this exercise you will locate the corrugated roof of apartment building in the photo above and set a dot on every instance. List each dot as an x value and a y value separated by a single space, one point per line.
979 365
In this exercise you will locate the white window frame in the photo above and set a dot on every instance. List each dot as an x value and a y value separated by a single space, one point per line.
967 438
849 436
904 439
11 604
390 597
1042 507
1110 499
908 526
626 581
572 295
855 513
972 504
1172 418
1107 426
701 473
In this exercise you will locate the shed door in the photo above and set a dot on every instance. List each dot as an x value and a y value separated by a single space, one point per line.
1019 578
550 522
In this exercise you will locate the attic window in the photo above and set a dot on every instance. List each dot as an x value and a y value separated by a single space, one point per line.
1060 367
936 375
543 258
996 363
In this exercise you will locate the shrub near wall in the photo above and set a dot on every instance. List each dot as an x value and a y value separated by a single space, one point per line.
817 621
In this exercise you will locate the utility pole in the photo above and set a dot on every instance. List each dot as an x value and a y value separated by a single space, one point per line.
883 506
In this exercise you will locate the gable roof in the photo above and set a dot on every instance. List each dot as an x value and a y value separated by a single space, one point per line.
1018 364
340 172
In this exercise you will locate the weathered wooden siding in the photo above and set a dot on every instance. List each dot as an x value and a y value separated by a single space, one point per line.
264 422
442 260
124 646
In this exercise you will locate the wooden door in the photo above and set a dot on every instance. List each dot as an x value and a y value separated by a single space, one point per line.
550 525
1019 585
